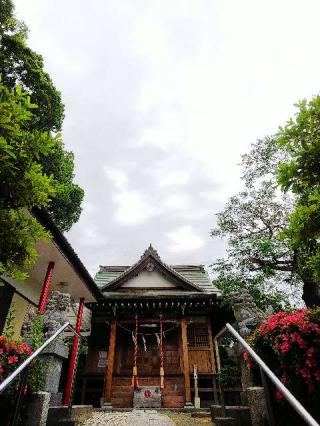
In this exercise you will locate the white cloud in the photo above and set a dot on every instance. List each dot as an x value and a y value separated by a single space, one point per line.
161 99
116 176
179 177
184 239
131 208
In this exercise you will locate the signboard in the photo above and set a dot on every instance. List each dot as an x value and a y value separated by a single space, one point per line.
103 359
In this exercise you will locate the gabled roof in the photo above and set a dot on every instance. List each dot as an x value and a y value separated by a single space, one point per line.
190 277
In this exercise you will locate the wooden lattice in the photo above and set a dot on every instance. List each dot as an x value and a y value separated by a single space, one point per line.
198 336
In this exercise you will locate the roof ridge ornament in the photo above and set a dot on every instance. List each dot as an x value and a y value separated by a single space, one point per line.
152 251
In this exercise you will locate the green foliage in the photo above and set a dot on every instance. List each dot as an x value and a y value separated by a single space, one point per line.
258 257
18 234
22 68
21 65
38 369
229 376
9 326
65 207
301 174
23 182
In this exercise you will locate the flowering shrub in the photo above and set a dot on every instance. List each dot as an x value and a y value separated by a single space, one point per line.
12 354
289 343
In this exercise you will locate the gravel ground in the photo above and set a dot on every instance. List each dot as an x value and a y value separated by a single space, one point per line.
144 418
185 419
134 418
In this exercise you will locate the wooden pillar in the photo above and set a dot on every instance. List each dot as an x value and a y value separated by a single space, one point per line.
45 289
73 356
109 369
185 357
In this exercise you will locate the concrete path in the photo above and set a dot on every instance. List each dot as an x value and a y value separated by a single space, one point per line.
133 418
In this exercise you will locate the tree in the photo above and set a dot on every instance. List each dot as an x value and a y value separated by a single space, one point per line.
65 206
23 182
272 230
301 174
20 65
259 258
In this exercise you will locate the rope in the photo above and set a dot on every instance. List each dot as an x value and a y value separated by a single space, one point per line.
161 355
135 382
145 334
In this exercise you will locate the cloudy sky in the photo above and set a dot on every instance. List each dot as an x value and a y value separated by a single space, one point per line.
162 97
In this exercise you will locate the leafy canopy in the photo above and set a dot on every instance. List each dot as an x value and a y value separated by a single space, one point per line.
24 184
301 139
22 68
258 257
21 65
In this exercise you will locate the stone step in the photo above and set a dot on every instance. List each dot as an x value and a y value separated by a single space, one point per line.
201 414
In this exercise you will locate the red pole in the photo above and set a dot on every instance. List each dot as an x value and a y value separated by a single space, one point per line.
45 289
73 356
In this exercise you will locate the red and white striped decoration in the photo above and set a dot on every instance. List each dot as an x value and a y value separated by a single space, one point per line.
135 382
161 355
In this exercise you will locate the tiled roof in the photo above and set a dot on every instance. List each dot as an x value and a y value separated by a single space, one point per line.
193 273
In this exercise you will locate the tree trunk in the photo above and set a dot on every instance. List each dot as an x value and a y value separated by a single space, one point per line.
311 293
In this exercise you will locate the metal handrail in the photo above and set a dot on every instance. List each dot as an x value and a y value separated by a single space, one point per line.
26 362
287 394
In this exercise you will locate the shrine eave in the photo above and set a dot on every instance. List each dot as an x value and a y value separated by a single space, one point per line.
154 296
128 302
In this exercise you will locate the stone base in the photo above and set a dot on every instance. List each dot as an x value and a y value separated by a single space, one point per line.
147 397
238 412
106 406
257 405
189 406
37 409
55 399
197 402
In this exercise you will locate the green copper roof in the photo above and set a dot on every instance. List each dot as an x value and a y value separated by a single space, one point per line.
193 273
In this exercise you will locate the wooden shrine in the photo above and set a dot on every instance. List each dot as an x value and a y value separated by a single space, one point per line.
154 324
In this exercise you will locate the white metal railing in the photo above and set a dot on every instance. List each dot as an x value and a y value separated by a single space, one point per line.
26 362
287 394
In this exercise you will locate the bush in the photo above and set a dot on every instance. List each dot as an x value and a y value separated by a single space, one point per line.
12 354
289 343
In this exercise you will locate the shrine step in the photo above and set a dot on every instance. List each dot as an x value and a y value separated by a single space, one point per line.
171 393
172 401
122 402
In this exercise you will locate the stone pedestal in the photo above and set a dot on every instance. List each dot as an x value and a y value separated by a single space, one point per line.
147 397
197 402
257 405
53 357
37 409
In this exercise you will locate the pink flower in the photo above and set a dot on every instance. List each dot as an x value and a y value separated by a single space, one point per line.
278 395
12 359
305 372
285 347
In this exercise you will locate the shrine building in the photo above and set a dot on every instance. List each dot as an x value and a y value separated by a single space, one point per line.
150 331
